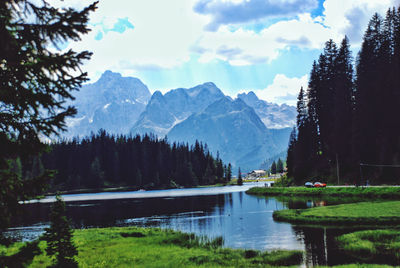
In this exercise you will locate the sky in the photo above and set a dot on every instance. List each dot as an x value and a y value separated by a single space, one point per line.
265 46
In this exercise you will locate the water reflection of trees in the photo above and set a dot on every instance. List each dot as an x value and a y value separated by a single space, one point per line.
110 212
320 245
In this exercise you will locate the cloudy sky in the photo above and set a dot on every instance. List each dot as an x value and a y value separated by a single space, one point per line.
267 46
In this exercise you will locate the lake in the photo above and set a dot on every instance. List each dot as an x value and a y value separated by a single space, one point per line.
244 221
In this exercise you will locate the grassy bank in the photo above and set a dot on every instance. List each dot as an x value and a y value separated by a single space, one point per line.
372 245
368 192
142 247
364 213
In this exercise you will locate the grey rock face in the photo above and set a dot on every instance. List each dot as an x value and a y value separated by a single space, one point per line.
113 103
163 112
272 115
232 128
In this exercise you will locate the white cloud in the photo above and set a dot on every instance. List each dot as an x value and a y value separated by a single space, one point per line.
251 47
341 17
244 11
162 35
283 89
167 33
351 17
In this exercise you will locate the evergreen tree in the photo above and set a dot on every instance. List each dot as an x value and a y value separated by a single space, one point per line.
368 93
96 174
279 166
225 172
184 165
301 109
290 159
377 86
343 106
351 121
312 129
59 237
273 168
325 98
229 173
240 180
209 177
35 83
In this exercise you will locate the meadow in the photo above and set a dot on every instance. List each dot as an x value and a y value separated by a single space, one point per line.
151 247
362 213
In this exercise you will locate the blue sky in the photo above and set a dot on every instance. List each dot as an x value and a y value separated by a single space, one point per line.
267 46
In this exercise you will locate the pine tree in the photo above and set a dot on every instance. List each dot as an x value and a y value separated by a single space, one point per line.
240 180
279 166
301 109
343 106
290 159
273 168
308 136
96 174
220 169
209 177
35 83
59 237
325 98
367 93
351 121
229 173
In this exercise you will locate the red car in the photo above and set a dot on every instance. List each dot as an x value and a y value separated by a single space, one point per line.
319 184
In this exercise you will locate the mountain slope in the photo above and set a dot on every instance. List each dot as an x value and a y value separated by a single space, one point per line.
233 129
272 115
163 112
113 103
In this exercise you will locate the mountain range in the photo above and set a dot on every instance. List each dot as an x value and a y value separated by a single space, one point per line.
163 112
244 131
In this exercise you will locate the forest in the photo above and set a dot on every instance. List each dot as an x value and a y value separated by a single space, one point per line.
104 160
347 127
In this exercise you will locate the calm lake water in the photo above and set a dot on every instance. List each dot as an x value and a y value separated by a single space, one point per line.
243 220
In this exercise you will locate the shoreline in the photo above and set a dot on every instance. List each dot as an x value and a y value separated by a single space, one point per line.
362 213
131 188
392 192
154 247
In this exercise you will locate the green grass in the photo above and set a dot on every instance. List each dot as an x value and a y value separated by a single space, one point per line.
363 213
142 247
359 266
375 192
383 245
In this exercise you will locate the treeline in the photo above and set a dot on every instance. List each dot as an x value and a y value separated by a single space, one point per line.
347 125
276 167
104 160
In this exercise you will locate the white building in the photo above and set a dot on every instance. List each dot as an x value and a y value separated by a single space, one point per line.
257 173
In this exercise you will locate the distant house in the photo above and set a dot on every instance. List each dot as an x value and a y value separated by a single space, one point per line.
257 173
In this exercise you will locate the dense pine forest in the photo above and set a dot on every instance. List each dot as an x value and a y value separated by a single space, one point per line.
104 160
347 126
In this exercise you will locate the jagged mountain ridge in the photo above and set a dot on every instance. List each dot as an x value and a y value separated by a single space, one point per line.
232 128
235 128
113 103
272 115
163 112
